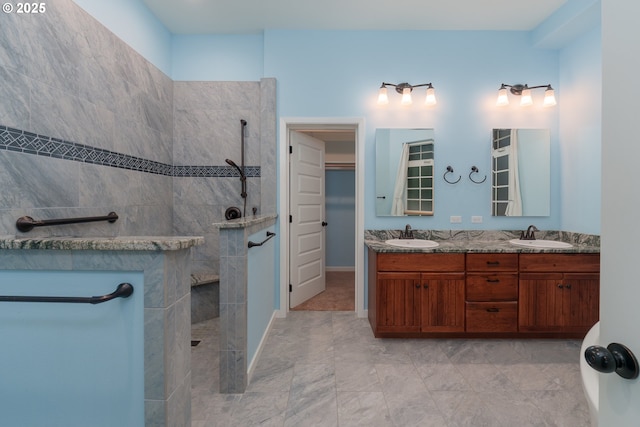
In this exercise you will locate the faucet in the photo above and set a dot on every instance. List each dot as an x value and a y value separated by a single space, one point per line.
529 234
408 233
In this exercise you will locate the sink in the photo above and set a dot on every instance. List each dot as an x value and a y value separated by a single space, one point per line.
541 244
412 243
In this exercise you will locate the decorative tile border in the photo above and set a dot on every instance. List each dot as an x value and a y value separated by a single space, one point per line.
30 143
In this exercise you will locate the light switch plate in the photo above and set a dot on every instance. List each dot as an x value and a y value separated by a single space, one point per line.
476 219
455 219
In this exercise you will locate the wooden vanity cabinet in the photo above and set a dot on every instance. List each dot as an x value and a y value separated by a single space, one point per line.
414 294
491 302
559 293
483 294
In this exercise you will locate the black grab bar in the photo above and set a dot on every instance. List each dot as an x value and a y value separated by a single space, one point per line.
26 223
269 236
124 290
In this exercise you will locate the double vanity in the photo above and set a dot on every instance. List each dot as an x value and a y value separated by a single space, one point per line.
482 284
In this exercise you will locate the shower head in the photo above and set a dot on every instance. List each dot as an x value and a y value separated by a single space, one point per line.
232 163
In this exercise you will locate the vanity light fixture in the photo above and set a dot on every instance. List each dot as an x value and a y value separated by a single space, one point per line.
405 90
525 92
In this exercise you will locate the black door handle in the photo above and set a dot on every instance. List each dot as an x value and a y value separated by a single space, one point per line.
324 224
615 358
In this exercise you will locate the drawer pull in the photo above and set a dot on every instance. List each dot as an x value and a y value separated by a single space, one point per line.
493 310
493 280
493 263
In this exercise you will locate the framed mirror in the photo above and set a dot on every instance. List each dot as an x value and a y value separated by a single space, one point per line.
521 172
404 172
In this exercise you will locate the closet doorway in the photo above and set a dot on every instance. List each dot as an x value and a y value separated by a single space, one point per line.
340 220
344 177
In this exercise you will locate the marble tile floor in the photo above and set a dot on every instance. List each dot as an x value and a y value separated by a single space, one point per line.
325 368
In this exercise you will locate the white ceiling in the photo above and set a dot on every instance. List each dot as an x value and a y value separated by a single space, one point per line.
254 16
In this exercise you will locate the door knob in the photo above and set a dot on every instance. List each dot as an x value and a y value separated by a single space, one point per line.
615 358
324 224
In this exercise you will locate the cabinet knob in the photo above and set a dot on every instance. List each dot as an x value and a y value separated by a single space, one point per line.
425 286
568 286
615 358
417 285
560 286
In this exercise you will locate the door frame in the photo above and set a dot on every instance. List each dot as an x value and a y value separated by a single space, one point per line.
308 123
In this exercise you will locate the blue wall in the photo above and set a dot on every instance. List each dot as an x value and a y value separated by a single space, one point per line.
340 211
261 287
71 365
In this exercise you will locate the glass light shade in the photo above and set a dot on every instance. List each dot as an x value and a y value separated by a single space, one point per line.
549 98
383 99
526 98
406 96
431 97
503 98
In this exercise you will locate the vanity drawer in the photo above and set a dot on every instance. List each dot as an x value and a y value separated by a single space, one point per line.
492 262
492 316
420 262
492 287
578 263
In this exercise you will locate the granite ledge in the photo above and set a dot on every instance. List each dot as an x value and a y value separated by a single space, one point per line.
246 222
121 243
478 241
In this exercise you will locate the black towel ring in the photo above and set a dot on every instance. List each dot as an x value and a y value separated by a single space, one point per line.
450 170
474 169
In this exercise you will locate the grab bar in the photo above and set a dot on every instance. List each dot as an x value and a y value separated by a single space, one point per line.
269 236
26 223
124 290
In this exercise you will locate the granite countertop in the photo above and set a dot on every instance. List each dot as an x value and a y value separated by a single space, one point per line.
121 243
479 241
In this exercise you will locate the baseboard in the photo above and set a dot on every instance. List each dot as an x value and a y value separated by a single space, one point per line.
263 341
339 269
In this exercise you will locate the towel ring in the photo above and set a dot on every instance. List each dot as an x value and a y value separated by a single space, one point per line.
450 170
474 169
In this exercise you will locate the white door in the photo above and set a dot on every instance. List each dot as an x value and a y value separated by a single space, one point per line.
620 281
306 231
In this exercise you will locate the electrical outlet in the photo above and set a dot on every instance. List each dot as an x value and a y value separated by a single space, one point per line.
476 219
455 219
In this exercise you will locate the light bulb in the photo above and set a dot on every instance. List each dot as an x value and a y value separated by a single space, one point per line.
383 99
431 96
549 98
406 96
526 98
503 98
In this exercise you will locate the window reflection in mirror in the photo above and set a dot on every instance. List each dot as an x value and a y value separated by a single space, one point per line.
404 172
520 165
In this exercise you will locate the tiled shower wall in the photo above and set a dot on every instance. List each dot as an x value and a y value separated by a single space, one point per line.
107 131
64 75
207 130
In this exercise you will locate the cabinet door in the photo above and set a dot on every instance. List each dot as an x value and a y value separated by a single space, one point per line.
540 302
581 299
442 302
554 302
398 305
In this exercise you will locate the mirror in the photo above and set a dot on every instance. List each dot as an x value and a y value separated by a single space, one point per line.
404 172
521 175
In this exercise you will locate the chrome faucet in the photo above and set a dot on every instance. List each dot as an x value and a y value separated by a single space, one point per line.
408 233
529 234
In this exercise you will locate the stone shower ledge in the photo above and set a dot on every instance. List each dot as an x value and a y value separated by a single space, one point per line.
246 222
121 243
